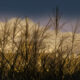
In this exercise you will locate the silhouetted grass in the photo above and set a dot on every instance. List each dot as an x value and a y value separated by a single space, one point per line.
27 58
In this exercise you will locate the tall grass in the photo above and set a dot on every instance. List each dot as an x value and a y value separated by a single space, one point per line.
23 53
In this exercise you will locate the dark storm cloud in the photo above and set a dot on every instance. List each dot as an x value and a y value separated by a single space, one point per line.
39 7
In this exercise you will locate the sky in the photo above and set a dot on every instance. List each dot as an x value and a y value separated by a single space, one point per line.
39 9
